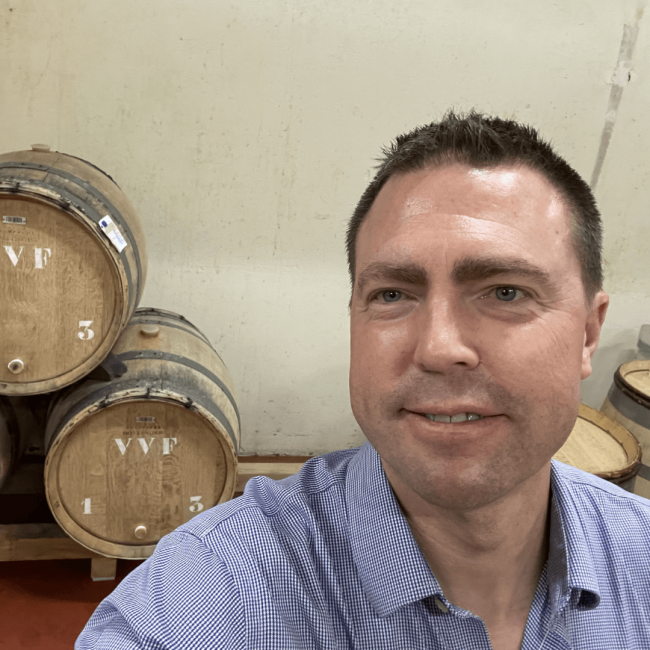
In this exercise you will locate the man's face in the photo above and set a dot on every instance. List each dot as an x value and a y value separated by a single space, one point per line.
468 298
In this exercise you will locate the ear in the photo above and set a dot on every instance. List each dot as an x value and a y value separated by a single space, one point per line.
593 325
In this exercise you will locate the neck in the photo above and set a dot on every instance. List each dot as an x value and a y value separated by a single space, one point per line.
487 560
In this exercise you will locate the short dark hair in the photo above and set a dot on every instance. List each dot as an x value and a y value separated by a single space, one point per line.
481 141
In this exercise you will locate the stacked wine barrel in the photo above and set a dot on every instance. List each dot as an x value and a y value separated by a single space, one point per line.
73 269
142 428
628 403
601 446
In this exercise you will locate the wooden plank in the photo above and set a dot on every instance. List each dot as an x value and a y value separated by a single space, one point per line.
103 568
275 471
274 458
39 542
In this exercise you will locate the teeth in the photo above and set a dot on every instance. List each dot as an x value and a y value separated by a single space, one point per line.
459 417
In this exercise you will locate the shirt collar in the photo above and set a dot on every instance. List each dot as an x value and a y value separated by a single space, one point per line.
571 569
391 566
393 570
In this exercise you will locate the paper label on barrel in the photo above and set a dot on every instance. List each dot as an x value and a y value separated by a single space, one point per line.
113 233
20 221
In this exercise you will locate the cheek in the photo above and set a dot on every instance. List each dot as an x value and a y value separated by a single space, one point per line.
379 356
542 358
379 349
558 342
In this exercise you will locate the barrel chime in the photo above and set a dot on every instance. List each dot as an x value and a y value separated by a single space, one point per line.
142 428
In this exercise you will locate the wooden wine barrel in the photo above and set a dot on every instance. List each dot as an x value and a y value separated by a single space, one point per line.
628 403
73 265
603 447
132 458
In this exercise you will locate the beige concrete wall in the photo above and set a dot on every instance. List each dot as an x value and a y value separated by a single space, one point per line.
244 132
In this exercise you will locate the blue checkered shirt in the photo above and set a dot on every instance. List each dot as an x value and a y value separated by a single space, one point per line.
325 559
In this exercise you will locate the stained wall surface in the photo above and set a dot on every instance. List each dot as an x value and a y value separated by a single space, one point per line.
244 133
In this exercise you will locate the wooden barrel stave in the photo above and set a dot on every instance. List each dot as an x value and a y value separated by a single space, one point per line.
82 188
95 182
155 316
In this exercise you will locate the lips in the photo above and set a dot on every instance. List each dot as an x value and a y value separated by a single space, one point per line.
425 425
453 419
454 409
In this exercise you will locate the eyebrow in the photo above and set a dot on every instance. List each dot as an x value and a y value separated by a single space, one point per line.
465 271
473 269
410 273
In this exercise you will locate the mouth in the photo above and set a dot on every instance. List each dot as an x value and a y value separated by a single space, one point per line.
452 437
456 417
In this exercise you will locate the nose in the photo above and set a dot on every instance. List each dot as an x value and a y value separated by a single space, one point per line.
446 338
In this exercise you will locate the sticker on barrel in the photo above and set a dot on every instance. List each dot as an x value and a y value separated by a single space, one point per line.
113 233
16 221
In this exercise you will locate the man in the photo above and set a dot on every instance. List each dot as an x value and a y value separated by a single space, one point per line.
476 308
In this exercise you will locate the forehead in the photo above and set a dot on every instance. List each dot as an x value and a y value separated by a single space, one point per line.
458 211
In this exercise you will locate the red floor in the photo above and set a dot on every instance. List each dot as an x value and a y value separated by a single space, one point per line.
45 604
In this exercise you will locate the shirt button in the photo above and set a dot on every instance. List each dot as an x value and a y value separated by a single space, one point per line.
441 606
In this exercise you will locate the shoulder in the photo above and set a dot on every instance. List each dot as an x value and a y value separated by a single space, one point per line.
170 601
605 511
272 542
268 506
583 483
227 565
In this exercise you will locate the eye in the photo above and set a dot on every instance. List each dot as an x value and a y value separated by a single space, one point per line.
391 295
507 294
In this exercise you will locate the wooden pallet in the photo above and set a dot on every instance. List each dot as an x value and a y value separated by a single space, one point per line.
48 541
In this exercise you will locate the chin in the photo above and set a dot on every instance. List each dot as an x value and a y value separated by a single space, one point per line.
466 491
458 487
461 497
